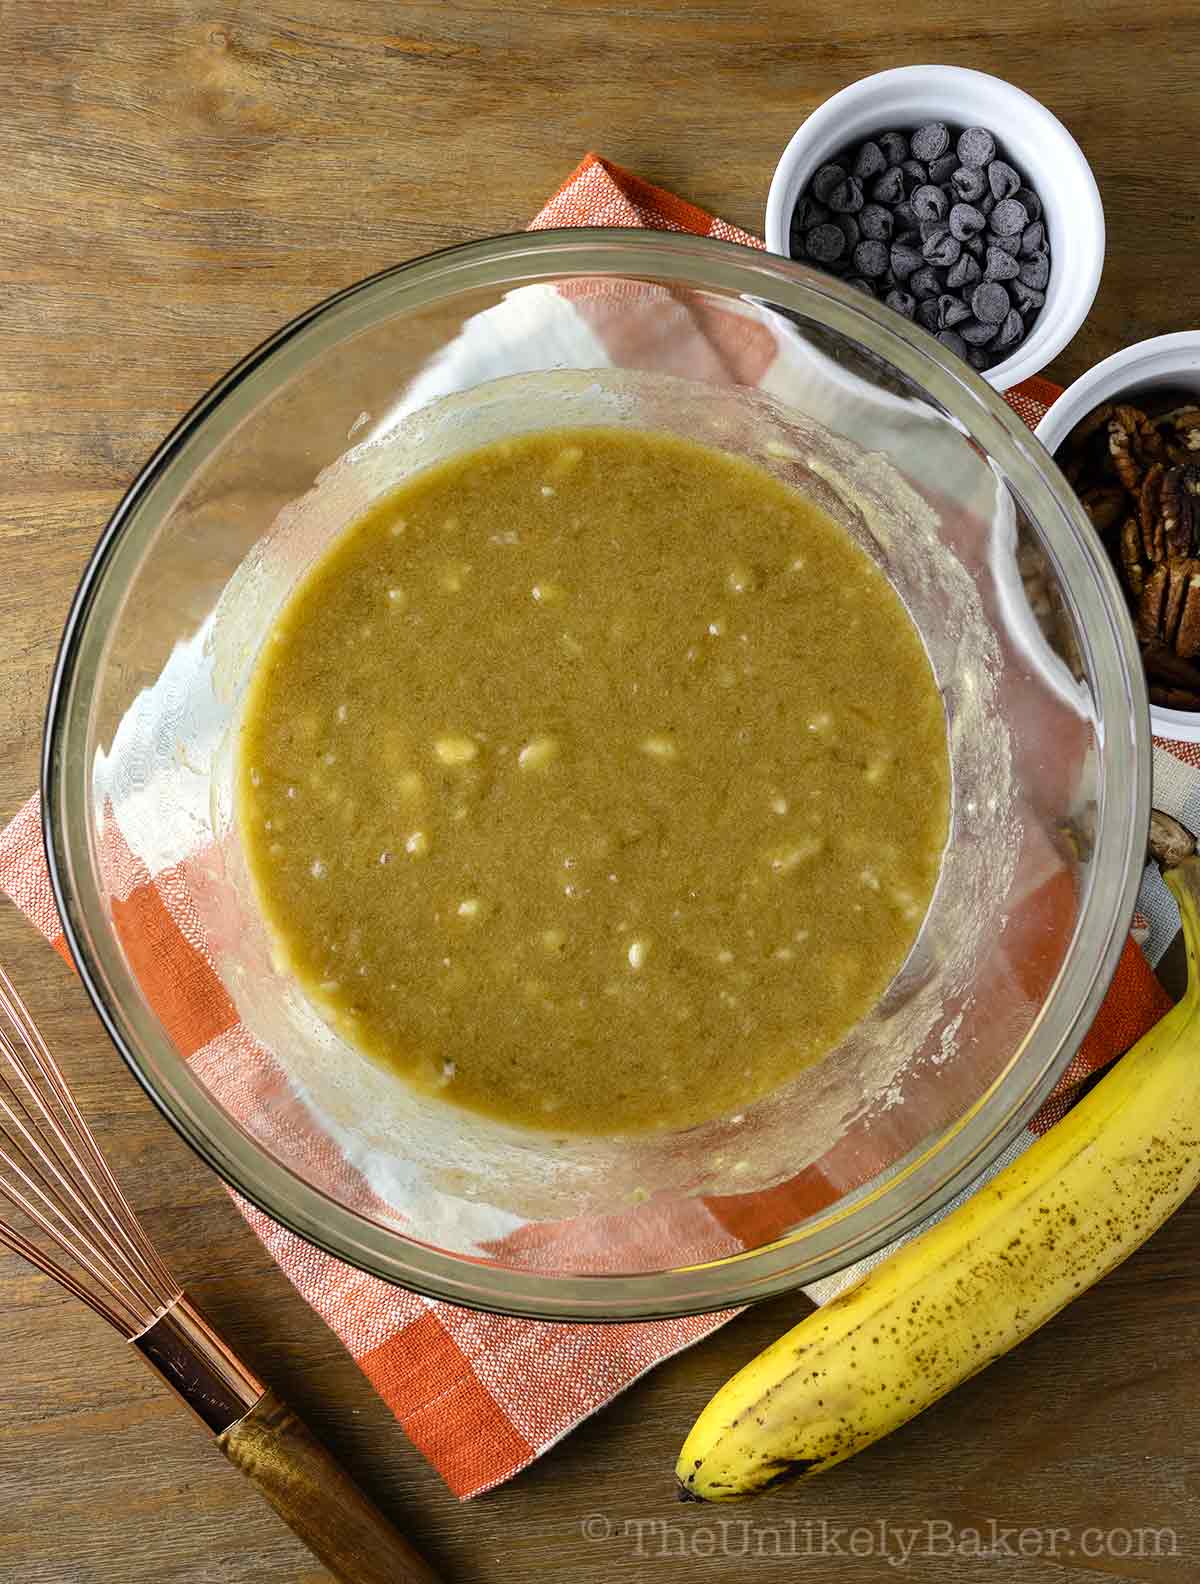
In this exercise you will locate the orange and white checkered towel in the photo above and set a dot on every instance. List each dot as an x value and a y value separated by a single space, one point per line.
482 1395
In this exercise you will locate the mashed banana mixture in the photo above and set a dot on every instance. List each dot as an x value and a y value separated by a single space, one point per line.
594 780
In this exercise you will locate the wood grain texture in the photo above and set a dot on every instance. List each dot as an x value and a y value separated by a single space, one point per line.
178 179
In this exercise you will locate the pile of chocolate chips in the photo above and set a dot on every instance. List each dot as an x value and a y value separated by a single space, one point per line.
938 226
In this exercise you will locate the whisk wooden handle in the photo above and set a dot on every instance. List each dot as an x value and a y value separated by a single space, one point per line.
317 1499
260 1435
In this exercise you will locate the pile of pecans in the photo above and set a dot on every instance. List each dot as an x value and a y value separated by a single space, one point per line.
1137 472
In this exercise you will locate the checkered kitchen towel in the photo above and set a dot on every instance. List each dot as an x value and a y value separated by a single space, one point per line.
481 1395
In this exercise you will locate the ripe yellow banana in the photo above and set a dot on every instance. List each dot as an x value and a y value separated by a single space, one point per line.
942 1307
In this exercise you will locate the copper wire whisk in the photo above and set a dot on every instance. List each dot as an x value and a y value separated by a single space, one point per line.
81 1232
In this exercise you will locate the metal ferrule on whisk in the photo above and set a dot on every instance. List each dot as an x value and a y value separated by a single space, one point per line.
201 1369
52 1172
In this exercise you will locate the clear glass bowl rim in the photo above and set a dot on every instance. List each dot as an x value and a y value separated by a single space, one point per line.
847 1231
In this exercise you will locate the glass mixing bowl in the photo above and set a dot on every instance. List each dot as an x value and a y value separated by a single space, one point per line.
931 474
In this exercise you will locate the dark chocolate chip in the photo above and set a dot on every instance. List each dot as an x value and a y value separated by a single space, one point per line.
1000 265
808 213
939 247
860 283
930 142
955 342
1002 179
906 219
1007 244
1035 272
850 229
1008 218
871 258
826 179
1027 298
887 281
876 222
965 273
869 161
889 188
965 221
954 311
825 243
975 333
901 302
927 314
915 175
989 303
930 203
969 185
894 146
847 196
1033 239
1033 204
941 170
986 204
979 358
976 146
924 282
974 246
1010 331
904 260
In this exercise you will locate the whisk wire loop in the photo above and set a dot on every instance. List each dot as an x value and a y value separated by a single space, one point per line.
53 1174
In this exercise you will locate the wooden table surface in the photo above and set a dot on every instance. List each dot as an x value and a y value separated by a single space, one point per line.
178 179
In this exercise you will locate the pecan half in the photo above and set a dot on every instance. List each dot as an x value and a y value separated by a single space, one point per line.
1180 508
1133 443
1179 579
1181 431
1131 556
1151 605
1150 514
1187 634
1122 429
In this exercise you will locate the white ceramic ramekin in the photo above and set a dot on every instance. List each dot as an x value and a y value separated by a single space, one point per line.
1047 156
1169 362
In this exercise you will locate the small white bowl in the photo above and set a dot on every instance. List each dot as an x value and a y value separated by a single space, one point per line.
1047 156
1169 362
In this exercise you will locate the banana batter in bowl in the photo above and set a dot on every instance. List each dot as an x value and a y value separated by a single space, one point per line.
594 780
